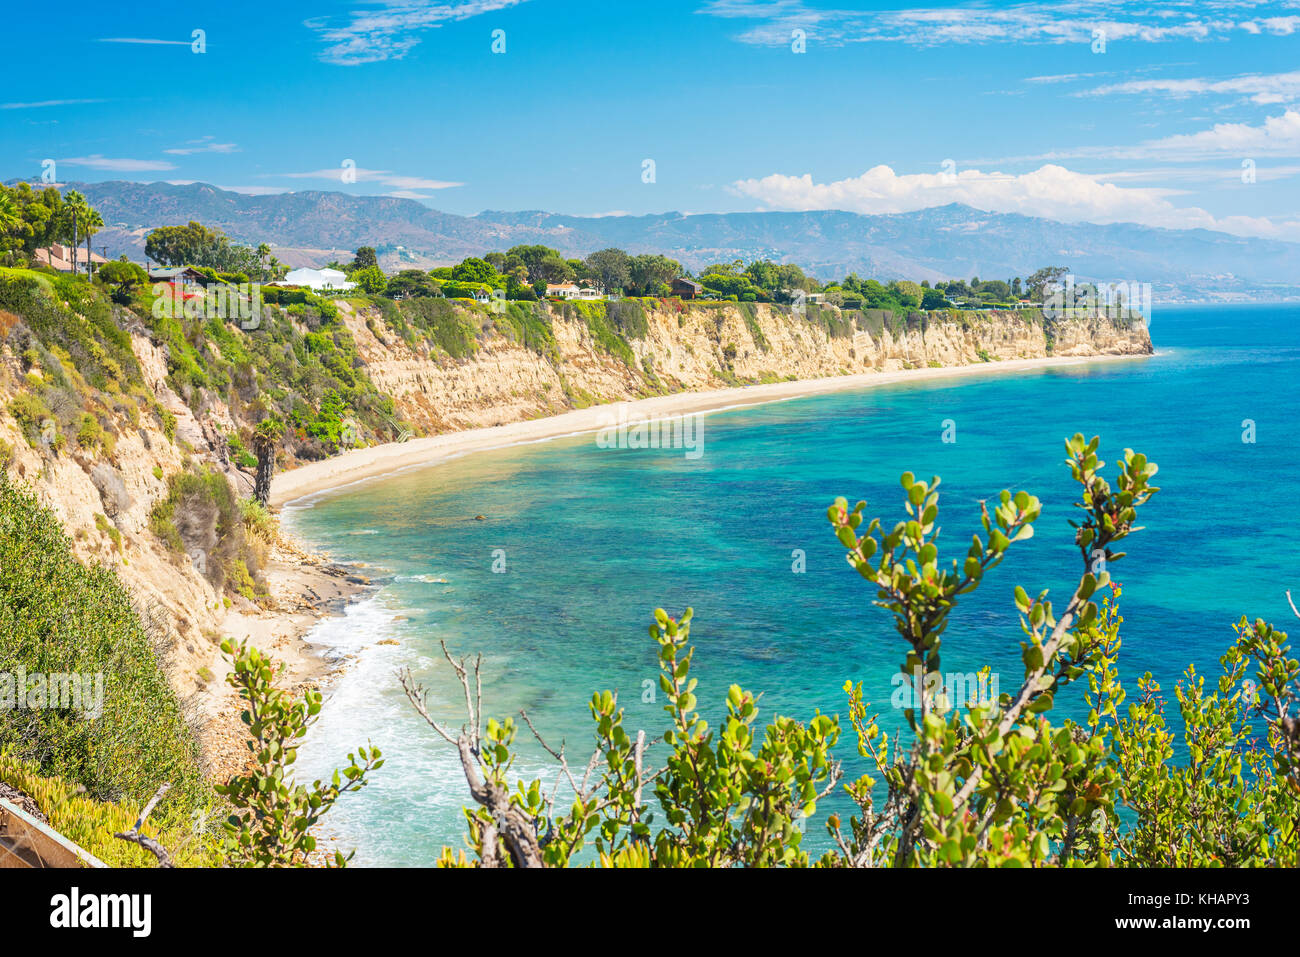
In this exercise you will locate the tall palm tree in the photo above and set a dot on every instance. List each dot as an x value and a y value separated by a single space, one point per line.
10 216
71 216
92 223
263 250
11 222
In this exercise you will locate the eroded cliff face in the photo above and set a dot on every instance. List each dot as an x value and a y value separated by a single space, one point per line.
691 347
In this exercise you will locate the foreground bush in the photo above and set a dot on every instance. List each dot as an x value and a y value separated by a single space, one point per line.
58 617
271 814
976 783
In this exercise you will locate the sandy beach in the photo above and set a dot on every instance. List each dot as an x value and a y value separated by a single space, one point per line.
369 463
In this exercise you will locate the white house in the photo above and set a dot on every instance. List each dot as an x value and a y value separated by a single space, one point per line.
586 292
563 290
319 279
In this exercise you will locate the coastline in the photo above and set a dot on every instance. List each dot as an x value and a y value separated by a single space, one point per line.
308 589
360 465
311 588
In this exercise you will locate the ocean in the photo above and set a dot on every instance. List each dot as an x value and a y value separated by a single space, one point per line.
557 586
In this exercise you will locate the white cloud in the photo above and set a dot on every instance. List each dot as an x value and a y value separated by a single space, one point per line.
96 161
146 41
391 31
1033 22
1277 134
43 103
1050 192
206 144
381 176
1261 88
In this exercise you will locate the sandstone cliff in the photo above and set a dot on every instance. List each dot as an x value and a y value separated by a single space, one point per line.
703 346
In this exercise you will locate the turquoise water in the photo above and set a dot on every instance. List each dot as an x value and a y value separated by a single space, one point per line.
594 539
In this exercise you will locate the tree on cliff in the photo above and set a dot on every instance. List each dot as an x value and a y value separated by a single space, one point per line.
195 245
933 299
369 279
365 258
649 274
983 778
266 440
543 263
612 268
1040 284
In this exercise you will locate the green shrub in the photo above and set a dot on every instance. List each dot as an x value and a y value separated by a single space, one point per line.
444 323
272 815
750 314
92 824
60 617
31 414
529 323
628 318
202 519
605 337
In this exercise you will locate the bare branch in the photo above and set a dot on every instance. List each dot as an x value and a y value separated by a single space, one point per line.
148 843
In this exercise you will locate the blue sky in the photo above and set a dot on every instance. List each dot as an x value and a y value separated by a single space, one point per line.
888 108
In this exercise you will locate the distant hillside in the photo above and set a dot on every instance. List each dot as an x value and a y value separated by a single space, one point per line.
943 242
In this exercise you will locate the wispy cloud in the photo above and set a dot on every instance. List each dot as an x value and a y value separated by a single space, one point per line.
1258 87
43 103
1275 136
206 144
1051 191
391 30
406 184
1033 22
95 161
146 41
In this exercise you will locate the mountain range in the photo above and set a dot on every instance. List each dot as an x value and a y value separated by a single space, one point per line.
313 227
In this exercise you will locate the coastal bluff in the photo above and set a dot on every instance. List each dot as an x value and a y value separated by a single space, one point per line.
703 346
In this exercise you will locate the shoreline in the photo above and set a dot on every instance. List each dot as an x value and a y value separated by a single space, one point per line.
311 664
361 465
308 588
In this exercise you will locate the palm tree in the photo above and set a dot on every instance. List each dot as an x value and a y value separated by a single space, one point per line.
10 216
92 222
71 216
11 221
263 250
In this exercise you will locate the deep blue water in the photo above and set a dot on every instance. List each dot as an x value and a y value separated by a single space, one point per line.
594 539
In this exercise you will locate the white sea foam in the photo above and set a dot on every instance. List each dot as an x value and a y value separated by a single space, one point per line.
361 624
